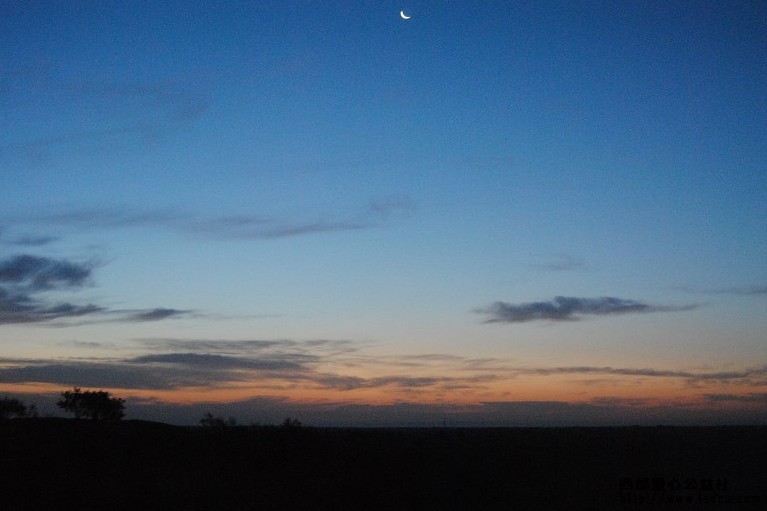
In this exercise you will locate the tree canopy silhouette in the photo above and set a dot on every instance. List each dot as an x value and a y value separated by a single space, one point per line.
10 407
96 405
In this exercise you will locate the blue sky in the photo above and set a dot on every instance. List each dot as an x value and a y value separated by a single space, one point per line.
177 175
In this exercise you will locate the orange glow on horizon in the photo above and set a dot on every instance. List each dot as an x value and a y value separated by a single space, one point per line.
562 388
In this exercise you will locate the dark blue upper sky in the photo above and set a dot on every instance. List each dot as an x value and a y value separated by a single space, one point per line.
328 170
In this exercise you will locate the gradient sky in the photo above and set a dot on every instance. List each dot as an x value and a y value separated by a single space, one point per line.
496 213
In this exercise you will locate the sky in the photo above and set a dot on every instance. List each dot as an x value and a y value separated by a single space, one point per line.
491 213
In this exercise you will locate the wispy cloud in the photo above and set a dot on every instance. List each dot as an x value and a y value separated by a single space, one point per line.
752 290
105 218
745 290
287 363
693 377
313 355
394 205
564 308
34 241
140 111
561 263
155 314
25 279
327 347
257 228
20 309
339 382
240 227
752 397
209 361
96 374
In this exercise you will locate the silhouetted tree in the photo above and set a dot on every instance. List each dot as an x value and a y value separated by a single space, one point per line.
32 412
10 407
291 423
97 405
211 421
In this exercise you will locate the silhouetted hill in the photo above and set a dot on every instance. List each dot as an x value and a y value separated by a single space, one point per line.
67 464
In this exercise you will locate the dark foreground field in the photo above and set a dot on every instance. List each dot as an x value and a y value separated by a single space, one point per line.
63 464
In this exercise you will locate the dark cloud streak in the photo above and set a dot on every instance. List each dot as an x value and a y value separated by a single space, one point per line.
210 361
562 263
34 241
25 279
237 227
752 397
692 377
140 111
42 273
155 315
564 308
754 290
21 309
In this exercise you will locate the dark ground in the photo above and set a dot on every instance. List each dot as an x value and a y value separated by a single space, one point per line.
66 464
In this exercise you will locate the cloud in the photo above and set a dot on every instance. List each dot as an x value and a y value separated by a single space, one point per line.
402 382
446 364
563 308
42 273
209 361
561 263
753 397
107 218
299 361
158 371
245 347
753 290
34 241
112 375
20 309
288 365
24 279
178 99
618 401
133 316
389 206
285 363
138 112
282 231
743 376
24 276
237 227
154 315
622 371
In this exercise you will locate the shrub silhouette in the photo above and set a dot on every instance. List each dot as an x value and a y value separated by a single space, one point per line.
96 405
211 421
291 423
10 407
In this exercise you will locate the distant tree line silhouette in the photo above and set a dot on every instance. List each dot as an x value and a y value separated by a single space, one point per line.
213 421
103 406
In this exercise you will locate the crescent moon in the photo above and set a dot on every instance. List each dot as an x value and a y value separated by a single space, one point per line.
402 14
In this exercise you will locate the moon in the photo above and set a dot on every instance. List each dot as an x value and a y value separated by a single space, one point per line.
404 17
